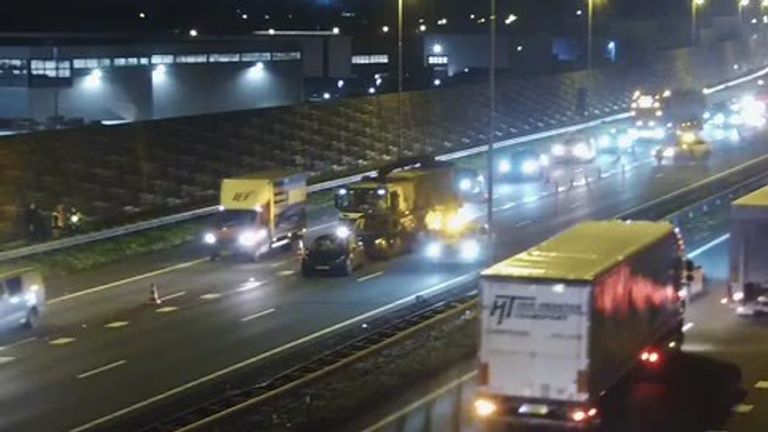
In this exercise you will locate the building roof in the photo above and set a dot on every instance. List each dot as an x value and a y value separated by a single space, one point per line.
582 253
758 198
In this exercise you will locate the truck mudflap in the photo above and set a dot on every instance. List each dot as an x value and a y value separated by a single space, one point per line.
536 412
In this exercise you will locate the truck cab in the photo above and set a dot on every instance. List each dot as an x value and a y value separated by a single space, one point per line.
258 213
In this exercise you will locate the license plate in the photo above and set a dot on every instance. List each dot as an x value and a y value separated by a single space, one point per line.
323 268
534 409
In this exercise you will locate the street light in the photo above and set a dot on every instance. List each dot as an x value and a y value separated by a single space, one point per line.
695 6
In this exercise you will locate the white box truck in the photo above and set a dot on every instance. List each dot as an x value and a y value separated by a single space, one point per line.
749 253
564 321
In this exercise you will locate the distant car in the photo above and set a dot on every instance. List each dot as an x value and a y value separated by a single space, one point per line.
524 164
575 148
688 146
339 253
470 184
614 141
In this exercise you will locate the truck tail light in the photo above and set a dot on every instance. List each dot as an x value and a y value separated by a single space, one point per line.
482 374
583 414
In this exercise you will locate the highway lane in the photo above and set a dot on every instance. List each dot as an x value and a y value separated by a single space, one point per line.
163 350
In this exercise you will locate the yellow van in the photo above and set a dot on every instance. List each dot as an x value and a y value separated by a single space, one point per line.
22 298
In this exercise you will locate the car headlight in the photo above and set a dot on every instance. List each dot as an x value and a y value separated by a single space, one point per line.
639 123
470 250
558 150
543 160
604 140
530 167
688 137
668 152
343 232
465 184
250 238
209 238
504 166
484 407
582 151
434 250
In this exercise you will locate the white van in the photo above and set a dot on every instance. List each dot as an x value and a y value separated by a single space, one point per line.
22 298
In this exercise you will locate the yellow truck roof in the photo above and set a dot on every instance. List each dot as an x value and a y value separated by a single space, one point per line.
583 252
276 174
758 198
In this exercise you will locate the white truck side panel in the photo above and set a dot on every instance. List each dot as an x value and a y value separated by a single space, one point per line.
535 338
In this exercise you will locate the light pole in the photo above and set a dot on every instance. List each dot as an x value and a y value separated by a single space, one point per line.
400 78
492 125
743 4
695 6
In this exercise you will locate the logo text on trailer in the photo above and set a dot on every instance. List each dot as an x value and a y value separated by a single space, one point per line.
505 307
242 196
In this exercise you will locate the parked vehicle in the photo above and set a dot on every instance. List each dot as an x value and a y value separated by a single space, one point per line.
22 298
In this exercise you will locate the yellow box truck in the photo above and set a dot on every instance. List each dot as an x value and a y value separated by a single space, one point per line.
258 213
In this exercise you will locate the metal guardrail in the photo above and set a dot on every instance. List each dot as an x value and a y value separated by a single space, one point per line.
330 184
317 187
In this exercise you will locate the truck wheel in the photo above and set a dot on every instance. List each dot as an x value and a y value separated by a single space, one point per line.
32 319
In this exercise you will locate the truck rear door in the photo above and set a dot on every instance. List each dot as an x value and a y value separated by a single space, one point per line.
535 339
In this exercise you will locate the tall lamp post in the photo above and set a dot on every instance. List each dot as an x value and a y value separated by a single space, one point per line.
401 137
492 125
695 6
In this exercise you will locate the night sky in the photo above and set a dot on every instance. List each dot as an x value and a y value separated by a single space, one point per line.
222 16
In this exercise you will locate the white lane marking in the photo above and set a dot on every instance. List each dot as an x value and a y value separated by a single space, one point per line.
125 281
280 263
286 272
687 326
250 285
210 296
508 206
709 246
522 224
762 385
117 324
173 296
101 369
370 276
257 315
62 341
19 343
659 175
4 360
290 345
166 309
743 408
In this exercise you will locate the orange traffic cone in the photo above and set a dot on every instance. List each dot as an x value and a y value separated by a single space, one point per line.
154 297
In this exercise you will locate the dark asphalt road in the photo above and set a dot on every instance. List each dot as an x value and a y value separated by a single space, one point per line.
106 353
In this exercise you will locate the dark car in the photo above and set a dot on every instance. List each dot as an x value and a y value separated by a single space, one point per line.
524 164
339 253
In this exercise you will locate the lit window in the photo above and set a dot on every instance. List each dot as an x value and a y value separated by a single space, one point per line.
223 57
255 56
283 56
51 68
370 59
91 63
437 60
13 67
126 61
192 58
162 59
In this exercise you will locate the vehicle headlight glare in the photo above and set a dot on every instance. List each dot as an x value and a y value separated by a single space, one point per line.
558 150
250 238
504 166
668 152
530 167
470 250
434 250
342 232
209 238
465 185
484 407
582 150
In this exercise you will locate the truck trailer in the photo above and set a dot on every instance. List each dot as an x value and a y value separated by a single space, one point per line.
749 253
564 321
258 213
